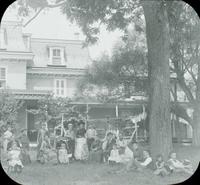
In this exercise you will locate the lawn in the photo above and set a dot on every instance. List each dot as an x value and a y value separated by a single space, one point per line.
99 174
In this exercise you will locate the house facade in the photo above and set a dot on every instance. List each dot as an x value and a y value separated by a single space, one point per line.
35 67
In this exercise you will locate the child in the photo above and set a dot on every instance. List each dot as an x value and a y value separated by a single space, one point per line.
63 155
14 160
114 155
7 136
177 166
160 166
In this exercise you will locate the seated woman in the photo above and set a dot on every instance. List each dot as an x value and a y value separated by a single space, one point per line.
160 166
96 151
14 158
134 154
81 148
24 141
175 165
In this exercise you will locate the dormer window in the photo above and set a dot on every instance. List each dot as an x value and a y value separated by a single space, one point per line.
57 56
3 39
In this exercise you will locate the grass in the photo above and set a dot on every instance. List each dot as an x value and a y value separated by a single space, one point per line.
98 174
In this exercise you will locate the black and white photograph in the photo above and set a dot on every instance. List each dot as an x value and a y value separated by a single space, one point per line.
99 92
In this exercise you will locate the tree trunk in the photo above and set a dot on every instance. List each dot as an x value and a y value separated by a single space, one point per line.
196 115
157 32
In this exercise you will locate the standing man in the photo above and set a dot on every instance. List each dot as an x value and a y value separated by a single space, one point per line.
70 135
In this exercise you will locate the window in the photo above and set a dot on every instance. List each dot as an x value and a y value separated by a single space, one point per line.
26 39
2 38
2 77
60 87
56 59
56 56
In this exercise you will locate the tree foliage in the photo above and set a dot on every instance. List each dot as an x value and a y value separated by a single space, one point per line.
123 73
51 109
9 107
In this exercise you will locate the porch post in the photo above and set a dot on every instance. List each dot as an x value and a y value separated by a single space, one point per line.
87 111
117 111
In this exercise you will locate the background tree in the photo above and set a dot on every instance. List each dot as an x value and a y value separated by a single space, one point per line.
122 74
185 57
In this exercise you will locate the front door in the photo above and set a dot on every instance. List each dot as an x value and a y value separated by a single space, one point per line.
32 131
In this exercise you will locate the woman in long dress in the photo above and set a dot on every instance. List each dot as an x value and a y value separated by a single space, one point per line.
81 148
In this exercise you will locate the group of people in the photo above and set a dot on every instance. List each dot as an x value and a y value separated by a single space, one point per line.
83 144
15 149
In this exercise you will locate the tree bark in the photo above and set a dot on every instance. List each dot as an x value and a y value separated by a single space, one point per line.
196 115
157 32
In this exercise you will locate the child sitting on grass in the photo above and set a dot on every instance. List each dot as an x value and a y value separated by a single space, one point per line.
176 165
160 166
63 156
14 158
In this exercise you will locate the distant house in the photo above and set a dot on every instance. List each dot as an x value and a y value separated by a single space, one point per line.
35 67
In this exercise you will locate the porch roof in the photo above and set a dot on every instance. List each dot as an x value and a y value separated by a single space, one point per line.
55 70
30 95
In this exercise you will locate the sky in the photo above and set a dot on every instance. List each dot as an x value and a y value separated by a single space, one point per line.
53 24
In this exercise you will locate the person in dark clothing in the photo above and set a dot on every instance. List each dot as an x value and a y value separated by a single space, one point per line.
70 135
95 154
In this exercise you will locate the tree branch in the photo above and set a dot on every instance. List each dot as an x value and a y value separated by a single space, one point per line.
190 72
47 6
30 20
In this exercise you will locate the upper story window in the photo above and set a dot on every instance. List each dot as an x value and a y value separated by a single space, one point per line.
26 38
57 56
60 87
3 38
2 77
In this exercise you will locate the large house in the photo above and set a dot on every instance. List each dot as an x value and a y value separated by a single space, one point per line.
35 67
